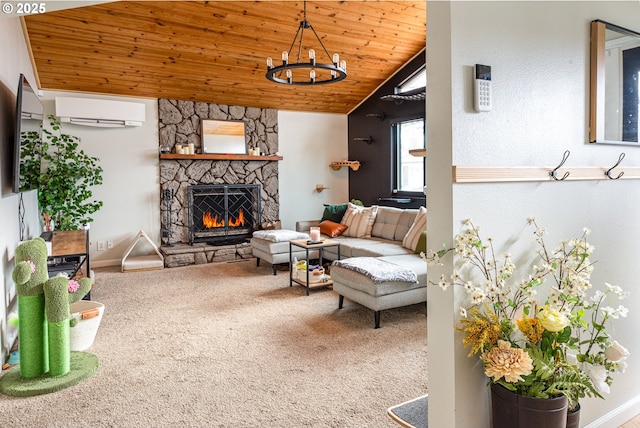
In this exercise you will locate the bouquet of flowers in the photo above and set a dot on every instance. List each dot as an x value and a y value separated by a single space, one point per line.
543 335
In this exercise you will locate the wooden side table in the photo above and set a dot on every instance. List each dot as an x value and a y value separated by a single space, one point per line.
310 245
69 253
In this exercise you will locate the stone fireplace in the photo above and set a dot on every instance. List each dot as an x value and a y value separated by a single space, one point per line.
179 123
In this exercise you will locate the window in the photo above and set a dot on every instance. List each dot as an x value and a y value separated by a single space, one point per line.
415 81
409 169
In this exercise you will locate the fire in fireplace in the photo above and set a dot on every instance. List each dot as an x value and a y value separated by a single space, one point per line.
223 213
211 221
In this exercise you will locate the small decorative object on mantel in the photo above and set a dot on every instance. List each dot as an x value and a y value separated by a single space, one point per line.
544 347
354 165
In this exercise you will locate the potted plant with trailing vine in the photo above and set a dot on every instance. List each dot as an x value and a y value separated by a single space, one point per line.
65 177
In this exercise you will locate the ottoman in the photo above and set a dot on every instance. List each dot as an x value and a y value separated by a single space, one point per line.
272 246
380 283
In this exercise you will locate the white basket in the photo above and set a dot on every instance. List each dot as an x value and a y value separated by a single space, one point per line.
313 277
89 315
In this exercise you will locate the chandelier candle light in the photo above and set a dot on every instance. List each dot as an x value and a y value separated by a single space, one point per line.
337 69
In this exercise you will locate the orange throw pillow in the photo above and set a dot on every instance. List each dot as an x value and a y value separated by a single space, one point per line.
331 228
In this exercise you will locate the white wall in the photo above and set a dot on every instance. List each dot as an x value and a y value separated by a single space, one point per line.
309 142
539 53
130 189
14 60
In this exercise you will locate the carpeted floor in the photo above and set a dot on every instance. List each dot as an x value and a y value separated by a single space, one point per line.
231 345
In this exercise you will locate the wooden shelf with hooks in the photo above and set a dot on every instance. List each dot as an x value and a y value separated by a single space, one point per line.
486 174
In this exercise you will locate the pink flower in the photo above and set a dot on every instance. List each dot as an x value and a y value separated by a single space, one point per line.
33 266
73 286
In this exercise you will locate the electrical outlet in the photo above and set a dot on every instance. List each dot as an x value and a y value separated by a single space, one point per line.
101 246
109 245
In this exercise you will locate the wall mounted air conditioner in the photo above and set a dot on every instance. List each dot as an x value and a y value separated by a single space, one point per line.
100 113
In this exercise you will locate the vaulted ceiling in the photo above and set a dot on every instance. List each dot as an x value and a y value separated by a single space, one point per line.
216 51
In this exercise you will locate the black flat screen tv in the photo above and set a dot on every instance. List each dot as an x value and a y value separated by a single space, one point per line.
27 136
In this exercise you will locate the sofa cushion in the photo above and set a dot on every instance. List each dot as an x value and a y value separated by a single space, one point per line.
419 225
359 220
331 228
404 223
386 222
379 248
334 212
422 243
413 262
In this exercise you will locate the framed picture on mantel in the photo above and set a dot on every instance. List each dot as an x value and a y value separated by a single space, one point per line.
224 137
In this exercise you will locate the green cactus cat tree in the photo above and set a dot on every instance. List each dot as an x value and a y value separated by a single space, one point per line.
47 363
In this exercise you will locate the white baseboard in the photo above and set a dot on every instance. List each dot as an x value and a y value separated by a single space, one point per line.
106 263
618 416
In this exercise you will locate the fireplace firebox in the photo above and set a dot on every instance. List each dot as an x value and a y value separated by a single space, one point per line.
221 214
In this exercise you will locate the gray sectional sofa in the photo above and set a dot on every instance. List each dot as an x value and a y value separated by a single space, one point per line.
385 245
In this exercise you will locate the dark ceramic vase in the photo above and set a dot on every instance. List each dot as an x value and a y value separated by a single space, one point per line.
511 410
573 418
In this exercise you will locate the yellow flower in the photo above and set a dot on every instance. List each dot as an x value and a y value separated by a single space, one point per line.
531 328
552 320
481 330
505 361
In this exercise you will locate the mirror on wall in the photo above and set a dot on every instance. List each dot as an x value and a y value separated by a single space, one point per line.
224 137
615 85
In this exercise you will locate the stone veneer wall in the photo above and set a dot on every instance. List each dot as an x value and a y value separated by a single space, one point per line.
179 123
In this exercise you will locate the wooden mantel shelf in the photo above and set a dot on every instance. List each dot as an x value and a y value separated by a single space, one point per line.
210 156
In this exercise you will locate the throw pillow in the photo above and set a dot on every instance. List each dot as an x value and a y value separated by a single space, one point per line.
410 241
334 212
422 243
331 228
359 220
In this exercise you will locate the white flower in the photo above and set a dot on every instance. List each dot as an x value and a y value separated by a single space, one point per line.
598 376
477 296
597 296
518 338
622 366
586 231
463 312
621 311
443 283
608 311
616 352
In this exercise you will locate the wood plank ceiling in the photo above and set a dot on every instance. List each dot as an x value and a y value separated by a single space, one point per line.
215 51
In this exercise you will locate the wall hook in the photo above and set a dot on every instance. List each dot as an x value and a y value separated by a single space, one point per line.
380 116
608 173
320 188
553 173
367 140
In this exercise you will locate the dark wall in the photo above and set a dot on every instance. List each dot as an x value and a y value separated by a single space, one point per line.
372 183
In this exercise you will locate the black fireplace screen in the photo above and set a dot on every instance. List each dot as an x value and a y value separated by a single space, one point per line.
223 213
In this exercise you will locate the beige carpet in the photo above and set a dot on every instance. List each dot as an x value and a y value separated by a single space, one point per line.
231 345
